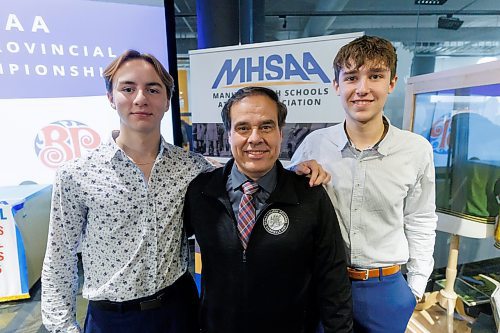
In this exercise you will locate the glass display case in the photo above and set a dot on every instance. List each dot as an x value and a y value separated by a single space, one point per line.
458 112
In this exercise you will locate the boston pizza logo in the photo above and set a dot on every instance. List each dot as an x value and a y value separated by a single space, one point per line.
440 134
64 140
276 222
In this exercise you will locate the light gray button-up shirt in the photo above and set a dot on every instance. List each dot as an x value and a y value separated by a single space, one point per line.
384 198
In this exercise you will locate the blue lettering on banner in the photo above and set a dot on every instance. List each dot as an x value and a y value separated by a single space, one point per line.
272 68
1 215
52 51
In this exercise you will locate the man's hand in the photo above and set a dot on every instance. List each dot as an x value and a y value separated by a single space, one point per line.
314 171
214 162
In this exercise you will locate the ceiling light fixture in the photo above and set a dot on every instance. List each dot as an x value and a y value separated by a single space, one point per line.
430 2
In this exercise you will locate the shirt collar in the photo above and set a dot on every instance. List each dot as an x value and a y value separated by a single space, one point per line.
266 182
338 136
343 142
111 149
383 147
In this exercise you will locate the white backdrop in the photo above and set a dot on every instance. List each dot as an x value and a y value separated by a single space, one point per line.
300 70
53 104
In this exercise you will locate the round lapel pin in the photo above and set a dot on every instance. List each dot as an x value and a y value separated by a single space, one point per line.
276 221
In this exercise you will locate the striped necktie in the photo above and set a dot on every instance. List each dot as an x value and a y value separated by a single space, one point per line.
246 213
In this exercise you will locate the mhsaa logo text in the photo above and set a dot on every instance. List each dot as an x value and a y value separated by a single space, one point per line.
273 68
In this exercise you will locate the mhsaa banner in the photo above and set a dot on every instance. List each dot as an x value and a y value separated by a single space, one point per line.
299 70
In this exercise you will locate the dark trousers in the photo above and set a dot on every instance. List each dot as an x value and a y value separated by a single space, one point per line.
382 305
178 313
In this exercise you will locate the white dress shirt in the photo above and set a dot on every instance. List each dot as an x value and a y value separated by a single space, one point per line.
384 197
132 240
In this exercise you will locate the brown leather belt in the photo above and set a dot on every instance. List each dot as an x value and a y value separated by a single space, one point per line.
365 274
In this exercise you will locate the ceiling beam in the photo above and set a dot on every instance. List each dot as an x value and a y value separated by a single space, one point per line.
491 12
480 34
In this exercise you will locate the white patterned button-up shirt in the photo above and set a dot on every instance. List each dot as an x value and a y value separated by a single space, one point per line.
129 230
384 198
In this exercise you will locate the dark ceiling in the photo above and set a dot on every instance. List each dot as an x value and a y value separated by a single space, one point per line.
401 21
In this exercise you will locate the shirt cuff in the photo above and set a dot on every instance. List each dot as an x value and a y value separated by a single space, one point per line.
417 285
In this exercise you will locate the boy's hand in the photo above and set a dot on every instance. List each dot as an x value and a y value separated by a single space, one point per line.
314 171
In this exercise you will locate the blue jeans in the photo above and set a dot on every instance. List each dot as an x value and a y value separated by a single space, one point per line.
382 305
